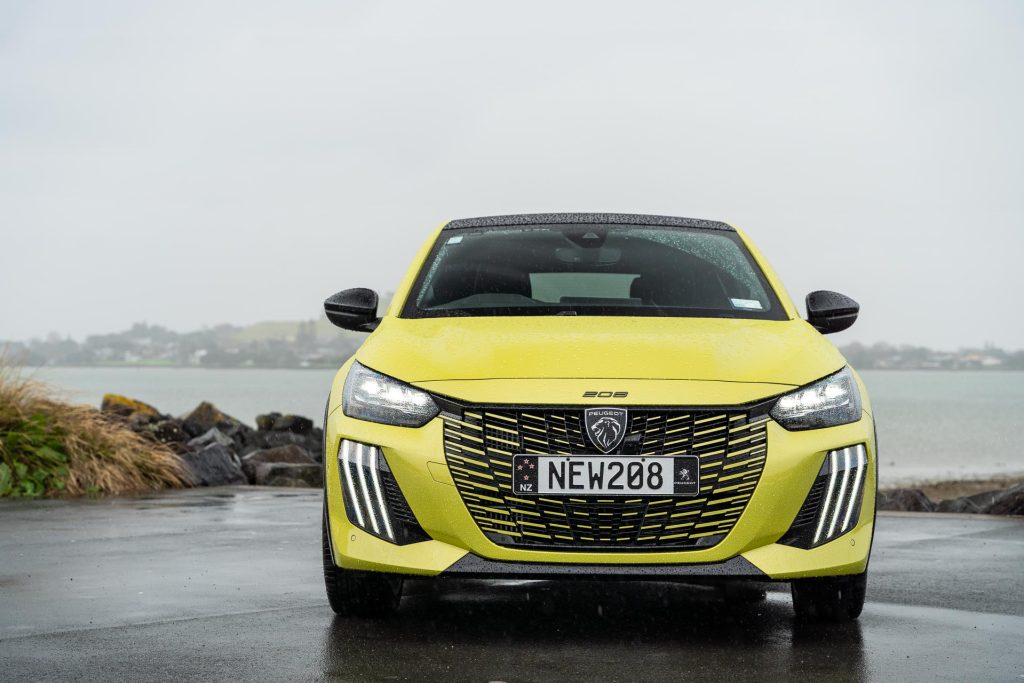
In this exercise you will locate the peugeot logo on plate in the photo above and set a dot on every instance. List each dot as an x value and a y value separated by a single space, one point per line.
606 427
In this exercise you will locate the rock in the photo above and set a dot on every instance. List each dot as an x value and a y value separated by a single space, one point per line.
213 436
127 407
985 500
241 434
265 423
206 416
276 422
907 500
288 474
1009 502
262 440
292 455
274 439
138 422
214 465
316 440
963 504
167 430
296 424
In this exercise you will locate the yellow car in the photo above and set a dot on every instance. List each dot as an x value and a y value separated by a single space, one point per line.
596 395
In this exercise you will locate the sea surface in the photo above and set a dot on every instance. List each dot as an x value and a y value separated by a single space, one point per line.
931 425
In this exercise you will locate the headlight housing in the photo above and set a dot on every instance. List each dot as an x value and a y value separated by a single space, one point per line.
374 397
829 402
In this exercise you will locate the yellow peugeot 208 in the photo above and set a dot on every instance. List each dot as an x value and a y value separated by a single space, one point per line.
596 395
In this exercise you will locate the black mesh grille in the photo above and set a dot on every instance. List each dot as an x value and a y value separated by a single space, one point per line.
809 510
397 504
479 449
407 529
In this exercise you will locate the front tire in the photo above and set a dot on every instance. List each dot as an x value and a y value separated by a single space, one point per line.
355 593
830 598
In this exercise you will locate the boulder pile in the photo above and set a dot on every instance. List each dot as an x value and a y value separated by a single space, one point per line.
1008 501
283 450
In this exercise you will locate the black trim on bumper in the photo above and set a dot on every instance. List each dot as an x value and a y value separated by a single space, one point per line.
478 567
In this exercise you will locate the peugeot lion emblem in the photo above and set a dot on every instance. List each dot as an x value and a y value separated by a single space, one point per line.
606 427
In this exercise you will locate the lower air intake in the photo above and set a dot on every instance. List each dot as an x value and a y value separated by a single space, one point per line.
833 505
373 501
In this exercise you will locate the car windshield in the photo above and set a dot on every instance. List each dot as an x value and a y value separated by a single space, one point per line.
591 270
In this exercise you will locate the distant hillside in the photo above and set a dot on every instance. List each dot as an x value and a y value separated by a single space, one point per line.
274 344
882 356
287 330
317 343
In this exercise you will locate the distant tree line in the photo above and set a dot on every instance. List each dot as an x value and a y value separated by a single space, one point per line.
269 345
314 344
882 356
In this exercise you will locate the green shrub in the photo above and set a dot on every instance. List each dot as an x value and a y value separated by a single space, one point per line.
51 448
33 459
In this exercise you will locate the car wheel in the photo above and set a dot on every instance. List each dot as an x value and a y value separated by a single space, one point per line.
356 593
831 598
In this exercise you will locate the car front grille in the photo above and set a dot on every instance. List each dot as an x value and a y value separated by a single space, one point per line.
479 443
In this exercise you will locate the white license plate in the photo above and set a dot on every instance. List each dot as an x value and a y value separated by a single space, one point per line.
606 475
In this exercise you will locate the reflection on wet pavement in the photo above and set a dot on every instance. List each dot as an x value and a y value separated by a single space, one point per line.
591 631
225 584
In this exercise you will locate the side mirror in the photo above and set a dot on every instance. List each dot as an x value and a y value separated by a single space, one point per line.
829 312
353 309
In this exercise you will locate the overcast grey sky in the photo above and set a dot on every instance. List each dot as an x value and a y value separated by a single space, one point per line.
191 163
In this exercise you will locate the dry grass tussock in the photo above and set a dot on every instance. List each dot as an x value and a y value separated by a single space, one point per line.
50 448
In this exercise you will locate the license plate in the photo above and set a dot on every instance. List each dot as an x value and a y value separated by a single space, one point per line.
606 475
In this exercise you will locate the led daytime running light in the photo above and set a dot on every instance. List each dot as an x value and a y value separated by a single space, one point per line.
846 468
359 466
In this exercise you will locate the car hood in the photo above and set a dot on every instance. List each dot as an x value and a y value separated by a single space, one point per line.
788 352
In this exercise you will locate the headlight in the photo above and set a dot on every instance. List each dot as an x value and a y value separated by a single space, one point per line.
832 401
374 397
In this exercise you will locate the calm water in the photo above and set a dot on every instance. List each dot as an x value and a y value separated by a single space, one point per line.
931 425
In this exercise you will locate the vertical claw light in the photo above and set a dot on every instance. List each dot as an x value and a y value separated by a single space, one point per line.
840 502
359 465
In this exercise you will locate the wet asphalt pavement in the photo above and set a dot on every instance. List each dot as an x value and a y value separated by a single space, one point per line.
224 584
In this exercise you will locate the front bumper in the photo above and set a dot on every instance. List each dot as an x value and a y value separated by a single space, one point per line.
459 547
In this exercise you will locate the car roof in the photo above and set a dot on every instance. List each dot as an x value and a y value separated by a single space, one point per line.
587 219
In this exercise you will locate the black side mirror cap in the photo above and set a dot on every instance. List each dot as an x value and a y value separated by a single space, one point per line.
353 309
829 312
